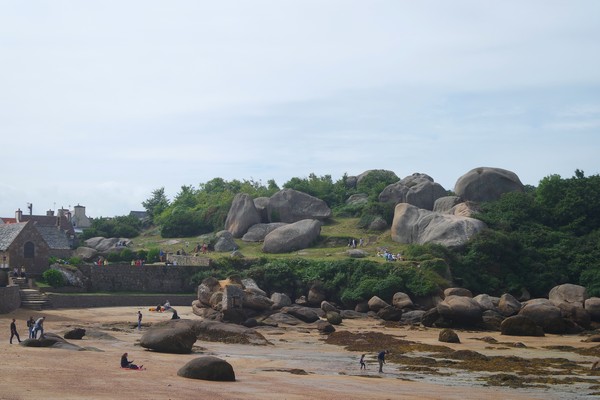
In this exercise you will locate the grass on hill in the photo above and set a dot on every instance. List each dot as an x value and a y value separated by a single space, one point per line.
332 243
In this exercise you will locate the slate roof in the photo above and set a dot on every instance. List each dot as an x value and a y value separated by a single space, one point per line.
50 220
8 233
54 237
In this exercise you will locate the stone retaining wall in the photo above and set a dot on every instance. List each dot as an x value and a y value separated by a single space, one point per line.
61 300
10 299
147 278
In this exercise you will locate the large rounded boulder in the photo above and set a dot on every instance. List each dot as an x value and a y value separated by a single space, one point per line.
460 309
289 205
292 237
520 325
177 337
487 184
225 242
208 368
568 293
242 215
544 314
413 225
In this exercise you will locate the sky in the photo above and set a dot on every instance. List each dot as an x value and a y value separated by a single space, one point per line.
101 103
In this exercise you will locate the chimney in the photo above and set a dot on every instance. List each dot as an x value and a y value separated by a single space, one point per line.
19 215
49 213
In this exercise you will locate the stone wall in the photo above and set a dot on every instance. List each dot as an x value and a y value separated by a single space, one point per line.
193 260
10 299
61 300
147 278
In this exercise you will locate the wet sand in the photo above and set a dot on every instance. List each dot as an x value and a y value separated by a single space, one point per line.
297 365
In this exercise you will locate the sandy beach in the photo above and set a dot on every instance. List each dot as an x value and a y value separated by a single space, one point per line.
298 364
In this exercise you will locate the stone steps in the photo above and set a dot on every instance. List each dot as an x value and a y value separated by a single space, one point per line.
33 299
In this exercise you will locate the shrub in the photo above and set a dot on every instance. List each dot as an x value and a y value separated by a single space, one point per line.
53 277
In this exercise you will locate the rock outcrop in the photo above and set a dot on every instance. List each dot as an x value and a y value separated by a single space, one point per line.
487 184
289 205
257 232
417 189
419 226
292 237
242 215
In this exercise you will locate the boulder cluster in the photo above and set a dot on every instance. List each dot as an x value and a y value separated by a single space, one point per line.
287 221
291 220
567 309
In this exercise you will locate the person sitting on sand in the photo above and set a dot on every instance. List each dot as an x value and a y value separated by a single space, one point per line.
175 315
125 363
167 305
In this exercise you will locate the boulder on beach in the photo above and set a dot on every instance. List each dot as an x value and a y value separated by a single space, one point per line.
208 368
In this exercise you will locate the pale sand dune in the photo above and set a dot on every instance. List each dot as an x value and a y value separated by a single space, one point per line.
261 371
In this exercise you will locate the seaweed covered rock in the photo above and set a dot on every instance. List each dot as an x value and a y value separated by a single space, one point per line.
208 368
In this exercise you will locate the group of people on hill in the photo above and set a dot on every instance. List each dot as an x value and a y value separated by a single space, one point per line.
389 256
34 327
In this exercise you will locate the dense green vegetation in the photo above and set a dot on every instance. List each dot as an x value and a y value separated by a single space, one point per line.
537 239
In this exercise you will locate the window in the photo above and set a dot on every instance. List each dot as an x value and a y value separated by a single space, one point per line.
29 250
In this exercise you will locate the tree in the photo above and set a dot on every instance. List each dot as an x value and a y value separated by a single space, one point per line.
156 204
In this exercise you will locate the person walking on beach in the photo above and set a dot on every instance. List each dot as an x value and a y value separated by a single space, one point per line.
13 331
139 321
363 365
381 358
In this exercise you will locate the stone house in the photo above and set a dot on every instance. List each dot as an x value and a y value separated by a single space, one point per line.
21 244
54 237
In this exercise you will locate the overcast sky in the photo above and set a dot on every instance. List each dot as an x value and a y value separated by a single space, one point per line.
103 102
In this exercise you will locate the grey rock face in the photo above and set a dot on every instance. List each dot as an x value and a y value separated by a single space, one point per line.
357 199
419 226
402 300
508 305
292 237
568 293
443 205
225 242
289 205
376 304
280 300
487 184
417 189
85 253
457 291
592 306
242 215
261 204
257 232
